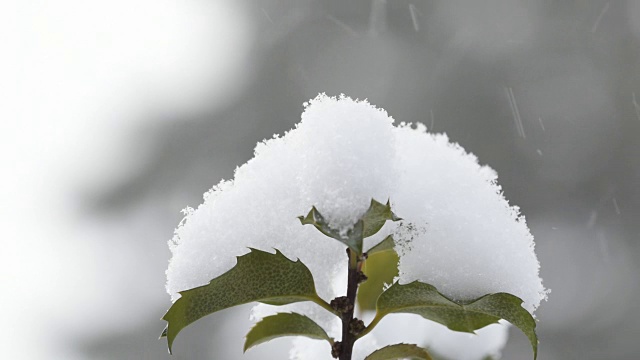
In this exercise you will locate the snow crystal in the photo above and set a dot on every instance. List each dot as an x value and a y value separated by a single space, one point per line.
458 233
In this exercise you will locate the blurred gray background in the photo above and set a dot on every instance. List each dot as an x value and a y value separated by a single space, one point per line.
117 115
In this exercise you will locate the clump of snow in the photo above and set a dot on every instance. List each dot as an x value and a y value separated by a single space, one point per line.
347 157
458 234
413 329
340 156
305 349
485 343
469 242
447 344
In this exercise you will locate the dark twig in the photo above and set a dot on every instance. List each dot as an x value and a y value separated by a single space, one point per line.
351 327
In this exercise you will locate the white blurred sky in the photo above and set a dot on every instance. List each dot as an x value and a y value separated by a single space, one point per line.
77 77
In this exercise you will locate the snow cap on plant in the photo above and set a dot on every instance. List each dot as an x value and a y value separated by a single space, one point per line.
458 232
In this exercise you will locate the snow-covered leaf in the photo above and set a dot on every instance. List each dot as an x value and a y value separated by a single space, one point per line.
284 324
257 276
399 351
352 237
370 223
425 300
376 216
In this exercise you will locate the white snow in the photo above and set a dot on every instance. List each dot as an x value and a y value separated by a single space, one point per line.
471 241
411 328
458 234
304 348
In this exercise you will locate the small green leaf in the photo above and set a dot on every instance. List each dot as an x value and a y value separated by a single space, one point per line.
426 301
352 238
376 216
380 267
370 223
399 351
385 245
257 276
284 324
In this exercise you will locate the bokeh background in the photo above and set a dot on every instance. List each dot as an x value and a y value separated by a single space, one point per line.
117 114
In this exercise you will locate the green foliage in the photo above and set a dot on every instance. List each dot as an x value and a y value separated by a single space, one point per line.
399 351
376 216
284 324
380 267
257 276
425 300
274 279
371 222
352 238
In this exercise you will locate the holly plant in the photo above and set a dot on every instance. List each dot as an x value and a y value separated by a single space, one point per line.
274 279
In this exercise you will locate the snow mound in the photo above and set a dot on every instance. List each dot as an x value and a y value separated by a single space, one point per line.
458 233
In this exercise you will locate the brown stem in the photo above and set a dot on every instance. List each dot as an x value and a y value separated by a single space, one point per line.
349 331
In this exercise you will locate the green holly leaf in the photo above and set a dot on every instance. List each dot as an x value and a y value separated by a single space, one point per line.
399 351
376 216
370 223
425 300
284 324
257 276
352 238
380 267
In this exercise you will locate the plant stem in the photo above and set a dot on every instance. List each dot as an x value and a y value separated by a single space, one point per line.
371 325
325 305
348 338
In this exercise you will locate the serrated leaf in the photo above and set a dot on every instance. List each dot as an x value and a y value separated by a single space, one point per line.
352 238
399 351
380 267
257 276
376 216
370 223
425 300
284 324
